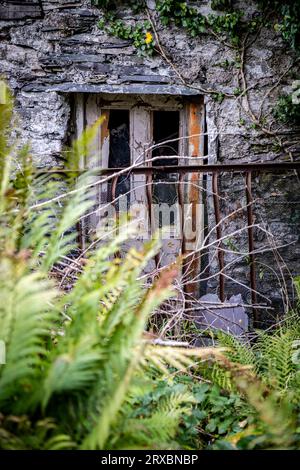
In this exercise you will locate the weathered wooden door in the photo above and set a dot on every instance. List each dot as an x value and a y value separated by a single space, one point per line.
150 130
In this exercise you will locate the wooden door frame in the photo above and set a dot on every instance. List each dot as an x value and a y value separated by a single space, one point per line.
191 144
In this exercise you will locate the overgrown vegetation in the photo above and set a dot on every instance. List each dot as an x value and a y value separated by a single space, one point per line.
76 362
80 372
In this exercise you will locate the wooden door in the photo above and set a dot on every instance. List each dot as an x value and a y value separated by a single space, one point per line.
156 127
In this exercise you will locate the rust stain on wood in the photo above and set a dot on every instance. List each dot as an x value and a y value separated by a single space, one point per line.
192 264
104 127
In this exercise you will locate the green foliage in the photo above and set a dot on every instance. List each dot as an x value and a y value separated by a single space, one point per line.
140 34
286 111
217 412
219 97
287 19
228 24
238 351
195 23
221 5
171 11
161 408
274 358
179 13
101 3
266 375
212 411
297 286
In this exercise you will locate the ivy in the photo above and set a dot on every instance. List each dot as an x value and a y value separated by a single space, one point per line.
219 97
285 14
287 22
229 25
179 13
287 19
174 12
140 34
222 5
286 111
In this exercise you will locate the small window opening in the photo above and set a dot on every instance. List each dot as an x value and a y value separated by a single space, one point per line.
119 148
165 129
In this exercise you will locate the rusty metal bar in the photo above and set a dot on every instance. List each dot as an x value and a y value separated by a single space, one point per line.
149 199
113 191
150 212
115 205
186 265
181 206
249 197
215 188
232 168
246 168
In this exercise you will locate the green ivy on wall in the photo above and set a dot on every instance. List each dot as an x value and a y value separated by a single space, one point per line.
287 19
228 25
139 34
286 111
286 15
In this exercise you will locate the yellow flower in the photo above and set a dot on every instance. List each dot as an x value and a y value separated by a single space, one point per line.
148 38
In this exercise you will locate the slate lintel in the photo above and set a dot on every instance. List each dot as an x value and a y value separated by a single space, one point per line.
63 59
144 78
143 89
82 39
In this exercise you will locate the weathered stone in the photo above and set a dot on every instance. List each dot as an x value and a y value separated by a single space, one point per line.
144 78
104 88
233 320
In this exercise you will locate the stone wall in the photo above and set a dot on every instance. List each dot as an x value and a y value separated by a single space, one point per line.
51 48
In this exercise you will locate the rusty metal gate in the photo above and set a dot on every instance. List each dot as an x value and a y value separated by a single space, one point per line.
216 173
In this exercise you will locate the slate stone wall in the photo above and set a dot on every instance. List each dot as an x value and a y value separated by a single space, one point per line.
53 47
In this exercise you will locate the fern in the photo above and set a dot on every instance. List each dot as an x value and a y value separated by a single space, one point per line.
26 316
274 363
159 430
237 350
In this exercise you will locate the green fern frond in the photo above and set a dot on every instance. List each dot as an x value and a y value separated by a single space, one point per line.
123 355
237 350
157 431
275 365
59 442
72 370
26 315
